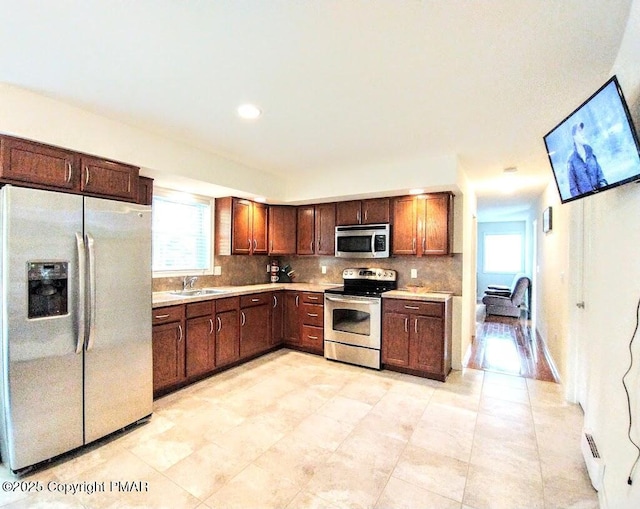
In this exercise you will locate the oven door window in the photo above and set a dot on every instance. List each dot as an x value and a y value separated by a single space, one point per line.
355 244
352 321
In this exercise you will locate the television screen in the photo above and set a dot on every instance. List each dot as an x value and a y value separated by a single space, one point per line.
595 147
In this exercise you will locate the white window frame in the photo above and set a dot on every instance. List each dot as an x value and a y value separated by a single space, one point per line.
486 257
188 197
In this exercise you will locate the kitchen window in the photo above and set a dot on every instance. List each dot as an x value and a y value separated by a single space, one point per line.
503 253
181 233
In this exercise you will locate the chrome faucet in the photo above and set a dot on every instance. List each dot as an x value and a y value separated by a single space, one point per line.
188 282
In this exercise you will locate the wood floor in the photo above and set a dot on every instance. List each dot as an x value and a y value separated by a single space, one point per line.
508 345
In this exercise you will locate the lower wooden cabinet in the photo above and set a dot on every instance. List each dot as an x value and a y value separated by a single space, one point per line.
200 343
227 332
277 318
168 339
304 321
416 337
255 324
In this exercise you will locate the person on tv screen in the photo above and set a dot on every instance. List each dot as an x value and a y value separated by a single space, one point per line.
584 172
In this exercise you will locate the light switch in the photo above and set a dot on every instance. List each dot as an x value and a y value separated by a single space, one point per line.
414 273
324 269
217 270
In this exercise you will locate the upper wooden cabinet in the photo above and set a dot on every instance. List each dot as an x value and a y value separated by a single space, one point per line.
422 225
316 229
371 211
107 178
241 226
43 166
145 190
282 230
26 161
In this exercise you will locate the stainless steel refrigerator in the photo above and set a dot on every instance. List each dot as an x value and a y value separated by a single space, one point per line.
75 322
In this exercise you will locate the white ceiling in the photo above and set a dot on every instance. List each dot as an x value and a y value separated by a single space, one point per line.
341 82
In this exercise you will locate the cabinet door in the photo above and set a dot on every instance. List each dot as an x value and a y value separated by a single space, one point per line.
282 230
306 230
404 225
227 347
241 227
200 345
145 191
395 339
436 225
325 229
292 317
348 213
259 228
277 318
426 351
375 211
168 355
107 178
255 330
38 164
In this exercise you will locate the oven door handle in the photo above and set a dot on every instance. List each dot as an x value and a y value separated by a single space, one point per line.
373 302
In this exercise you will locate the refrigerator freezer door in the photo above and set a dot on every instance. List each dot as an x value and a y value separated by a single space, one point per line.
41 371
118 358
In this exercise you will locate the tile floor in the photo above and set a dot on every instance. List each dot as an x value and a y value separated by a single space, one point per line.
292 430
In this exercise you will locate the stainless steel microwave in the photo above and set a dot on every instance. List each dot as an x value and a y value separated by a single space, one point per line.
363 241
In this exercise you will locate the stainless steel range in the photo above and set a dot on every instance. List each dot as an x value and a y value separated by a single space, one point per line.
352 316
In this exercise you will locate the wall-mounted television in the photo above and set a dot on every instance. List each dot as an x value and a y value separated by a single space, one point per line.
596 147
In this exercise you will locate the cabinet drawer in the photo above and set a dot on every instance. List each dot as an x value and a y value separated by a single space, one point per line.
312 314
312 298
168 314
416 307
312 337
255 299
227 304
199 309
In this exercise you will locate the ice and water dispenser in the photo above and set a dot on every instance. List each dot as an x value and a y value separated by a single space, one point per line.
48 282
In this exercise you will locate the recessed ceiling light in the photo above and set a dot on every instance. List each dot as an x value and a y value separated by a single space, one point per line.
249 111
511 169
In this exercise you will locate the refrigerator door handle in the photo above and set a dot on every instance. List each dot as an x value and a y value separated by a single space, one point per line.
82 305
92 291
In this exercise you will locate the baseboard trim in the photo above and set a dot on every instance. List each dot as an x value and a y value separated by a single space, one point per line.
550 359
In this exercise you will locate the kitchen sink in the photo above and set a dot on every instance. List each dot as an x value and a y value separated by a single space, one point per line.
193 292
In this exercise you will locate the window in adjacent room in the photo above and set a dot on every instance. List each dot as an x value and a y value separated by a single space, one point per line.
182 233
503 252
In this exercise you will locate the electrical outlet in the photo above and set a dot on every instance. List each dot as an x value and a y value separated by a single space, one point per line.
268 267
414 273
217 270
324 269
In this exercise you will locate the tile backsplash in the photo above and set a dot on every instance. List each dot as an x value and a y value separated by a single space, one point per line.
434 273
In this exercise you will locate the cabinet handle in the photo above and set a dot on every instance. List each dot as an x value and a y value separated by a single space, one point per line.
312 315
275 302
297 300
161 317
271 248
313 337
210 326
311 246
358 217
86 175
255 244
255 300
312 298
219 324
318 246
68 179
424 243
406 325
366 214
412 307
249 241
415 326
243 318
180 330
129 185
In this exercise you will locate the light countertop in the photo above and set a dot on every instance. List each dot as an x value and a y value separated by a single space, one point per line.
417 294
168 299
